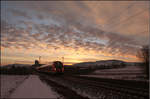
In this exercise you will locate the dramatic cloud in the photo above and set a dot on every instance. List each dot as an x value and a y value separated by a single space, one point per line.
19 13
91 27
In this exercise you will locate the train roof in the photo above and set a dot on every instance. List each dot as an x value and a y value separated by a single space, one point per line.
47 65
57 61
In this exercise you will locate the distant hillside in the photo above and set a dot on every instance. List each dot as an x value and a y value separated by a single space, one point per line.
106 63
16 69
15 65
102 62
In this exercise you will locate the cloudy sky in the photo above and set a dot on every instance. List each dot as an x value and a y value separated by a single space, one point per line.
79 31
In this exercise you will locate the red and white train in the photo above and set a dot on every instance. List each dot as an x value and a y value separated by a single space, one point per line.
57 67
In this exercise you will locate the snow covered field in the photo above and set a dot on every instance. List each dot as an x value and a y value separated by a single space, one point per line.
25 87
127 69
9 83
126 73
33 87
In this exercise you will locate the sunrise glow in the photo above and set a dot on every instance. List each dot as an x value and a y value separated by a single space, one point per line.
79 31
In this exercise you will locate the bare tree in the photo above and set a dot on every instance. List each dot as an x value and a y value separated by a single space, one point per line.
144 56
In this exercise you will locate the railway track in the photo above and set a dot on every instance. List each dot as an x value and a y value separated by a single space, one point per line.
138 85
105 88
63 91
118 87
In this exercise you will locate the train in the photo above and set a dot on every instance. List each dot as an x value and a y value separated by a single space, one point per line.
57 67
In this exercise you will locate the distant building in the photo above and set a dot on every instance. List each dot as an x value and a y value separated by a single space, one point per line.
36 63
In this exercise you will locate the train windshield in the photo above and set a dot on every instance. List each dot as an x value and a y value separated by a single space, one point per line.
58 64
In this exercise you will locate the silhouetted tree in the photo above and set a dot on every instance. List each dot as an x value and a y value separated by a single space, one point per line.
144 56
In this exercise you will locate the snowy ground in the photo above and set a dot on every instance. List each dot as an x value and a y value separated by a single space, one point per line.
34 88
127 69
126 73
9 83
25 87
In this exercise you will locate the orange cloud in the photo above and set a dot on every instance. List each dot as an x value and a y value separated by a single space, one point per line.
84 31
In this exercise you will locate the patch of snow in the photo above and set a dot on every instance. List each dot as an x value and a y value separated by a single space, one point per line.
9 83
126 73
125 69
122 77
33 88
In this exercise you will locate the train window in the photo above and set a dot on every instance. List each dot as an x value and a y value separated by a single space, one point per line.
58 64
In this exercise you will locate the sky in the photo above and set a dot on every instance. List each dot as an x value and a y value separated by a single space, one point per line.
79 31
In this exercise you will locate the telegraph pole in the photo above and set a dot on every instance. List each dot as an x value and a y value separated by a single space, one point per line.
63 59
39 59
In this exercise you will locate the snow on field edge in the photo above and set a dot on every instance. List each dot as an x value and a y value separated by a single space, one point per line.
33 87
9 83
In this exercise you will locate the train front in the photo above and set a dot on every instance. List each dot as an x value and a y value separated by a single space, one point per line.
58 67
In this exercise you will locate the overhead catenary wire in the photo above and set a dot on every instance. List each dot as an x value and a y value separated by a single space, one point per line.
121 12
114 26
